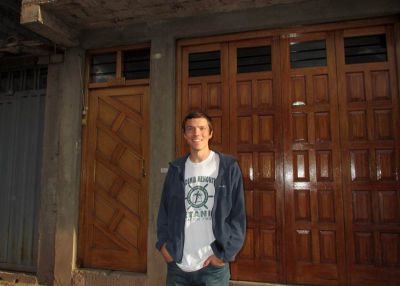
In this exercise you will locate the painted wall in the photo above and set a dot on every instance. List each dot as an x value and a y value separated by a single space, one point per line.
60 198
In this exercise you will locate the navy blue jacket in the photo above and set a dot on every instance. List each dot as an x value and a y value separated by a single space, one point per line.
228 213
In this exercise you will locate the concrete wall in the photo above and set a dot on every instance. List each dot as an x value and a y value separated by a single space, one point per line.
60 199
48 206
280 16
162 135
60 172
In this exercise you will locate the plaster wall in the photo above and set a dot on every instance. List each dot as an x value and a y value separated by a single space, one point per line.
61 168
163 38
71 74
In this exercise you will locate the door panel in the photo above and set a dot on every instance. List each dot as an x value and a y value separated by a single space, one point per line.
370 133
206 89
255 139
115 223
313 202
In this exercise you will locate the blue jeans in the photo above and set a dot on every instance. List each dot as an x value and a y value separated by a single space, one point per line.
207 276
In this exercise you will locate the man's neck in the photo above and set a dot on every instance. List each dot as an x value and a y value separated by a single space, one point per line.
199 156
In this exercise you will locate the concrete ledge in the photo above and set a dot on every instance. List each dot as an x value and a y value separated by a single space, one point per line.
87 277
15 278
37 19
246 283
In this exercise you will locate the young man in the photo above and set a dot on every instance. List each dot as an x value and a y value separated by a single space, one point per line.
201 220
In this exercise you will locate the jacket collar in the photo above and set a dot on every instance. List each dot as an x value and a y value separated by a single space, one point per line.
180 163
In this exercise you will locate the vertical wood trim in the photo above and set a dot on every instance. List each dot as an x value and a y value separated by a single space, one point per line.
279 143
393 33
82 195
144 198
225 73
90 165
232 102
336 157
397 50
287 157
396 35
346 198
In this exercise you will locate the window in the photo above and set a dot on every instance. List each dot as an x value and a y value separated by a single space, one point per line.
254 59
365 49
137 64
201 64
308 54
102 67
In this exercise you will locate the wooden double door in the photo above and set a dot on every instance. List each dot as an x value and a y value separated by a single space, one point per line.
313 119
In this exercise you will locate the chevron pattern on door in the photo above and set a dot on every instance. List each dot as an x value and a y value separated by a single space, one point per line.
115 202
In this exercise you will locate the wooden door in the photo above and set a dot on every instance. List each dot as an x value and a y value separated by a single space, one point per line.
317 139
244 105
114 209
313 196
204 77
370 132
256 140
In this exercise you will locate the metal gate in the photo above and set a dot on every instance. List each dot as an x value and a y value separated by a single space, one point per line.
22 103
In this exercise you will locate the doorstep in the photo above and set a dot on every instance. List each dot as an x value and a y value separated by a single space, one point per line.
247 283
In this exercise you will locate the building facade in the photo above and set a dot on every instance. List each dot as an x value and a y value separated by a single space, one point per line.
304 93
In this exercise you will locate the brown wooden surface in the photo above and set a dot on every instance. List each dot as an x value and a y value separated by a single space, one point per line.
209 94
313 196
370 130
256 140
114 214
247 123
319 150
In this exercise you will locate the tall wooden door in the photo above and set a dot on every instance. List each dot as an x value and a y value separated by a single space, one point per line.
313 195
115 199
370 132
234 84
256 141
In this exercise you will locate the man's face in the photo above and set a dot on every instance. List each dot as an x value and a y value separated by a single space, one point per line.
197 134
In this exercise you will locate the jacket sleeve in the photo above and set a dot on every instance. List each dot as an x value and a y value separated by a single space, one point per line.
162 219
237 217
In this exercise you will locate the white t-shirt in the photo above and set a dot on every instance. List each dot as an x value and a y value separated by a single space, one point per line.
199 201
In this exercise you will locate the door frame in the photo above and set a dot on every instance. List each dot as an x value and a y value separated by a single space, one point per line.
283 33
118 81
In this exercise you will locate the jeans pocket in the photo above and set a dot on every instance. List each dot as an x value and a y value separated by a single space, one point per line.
218 266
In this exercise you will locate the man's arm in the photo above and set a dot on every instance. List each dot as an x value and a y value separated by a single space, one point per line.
237 217
162 219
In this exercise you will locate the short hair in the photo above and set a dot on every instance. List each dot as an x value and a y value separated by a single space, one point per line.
197 114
